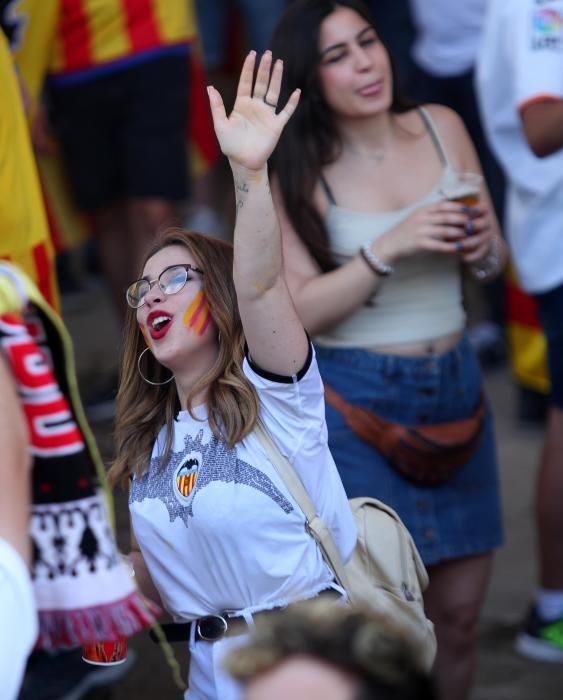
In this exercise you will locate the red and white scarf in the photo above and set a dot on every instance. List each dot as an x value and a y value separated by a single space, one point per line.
82 587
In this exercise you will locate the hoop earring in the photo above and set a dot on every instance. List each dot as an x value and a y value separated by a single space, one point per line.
148 381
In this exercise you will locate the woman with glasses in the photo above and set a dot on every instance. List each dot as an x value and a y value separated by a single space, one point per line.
212 345
376 238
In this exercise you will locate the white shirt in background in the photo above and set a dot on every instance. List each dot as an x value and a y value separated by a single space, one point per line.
448 34
521 60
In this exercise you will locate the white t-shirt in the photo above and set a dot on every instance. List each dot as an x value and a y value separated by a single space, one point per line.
218 528
448 33
521 60
18 620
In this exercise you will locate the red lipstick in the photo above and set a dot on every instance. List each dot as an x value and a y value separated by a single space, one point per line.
158 324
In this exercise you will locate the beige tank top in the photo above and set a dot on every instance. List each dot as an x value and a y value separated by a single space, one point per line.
421 300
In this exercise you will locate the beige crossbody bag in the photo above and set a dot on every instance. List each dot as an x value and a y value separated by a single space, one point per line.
385 571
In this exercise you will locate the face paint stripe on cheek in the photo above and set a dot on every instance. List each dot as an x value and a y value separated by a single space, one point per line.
197 314
205 322
194 309
203 319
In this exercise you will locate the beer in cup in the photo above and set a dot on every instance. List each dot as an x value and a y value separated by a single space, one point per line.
464 188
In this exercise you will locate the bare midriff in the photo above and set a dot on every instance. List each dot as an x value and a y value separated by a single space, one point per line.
434 346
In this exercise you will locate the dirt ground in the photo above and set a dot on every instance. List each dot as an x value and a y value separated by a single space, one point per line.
501 674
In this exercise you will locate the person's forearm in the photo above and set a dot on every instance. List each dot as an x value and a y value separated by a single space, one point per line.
328 299
543 126
257 239
15 468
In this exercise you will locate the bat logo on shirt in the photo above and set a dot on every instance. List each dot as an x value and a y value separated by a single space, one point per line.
215 462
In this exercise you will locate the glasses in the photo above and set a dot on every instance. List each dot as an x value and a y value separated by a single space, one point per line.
171 280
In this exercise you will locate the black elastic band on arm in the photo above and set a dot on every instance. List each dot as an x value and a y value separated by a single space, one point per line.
279 378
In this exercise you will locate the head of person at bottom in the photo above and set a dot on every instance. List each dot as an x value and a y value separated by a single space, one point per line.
183 346
318 651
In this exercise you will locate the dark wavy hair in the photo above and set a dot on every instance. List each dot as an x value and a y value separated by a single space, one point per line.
311 139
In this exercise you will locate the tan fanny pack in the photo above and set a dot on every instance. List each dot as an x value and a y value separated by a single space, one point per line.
427 454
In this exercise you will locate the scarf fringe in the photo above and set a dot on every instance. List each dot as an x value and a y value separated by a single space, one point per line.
72 628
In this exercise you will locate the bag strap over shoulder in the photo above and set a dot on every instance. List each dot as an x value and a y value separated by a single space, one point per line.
315 525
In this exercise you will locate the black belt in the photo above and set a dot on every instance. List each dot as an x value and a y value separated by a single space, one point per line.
212 628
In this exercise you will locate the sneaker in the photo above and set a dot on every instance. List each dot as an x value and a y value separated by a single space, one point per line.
541 640
64 676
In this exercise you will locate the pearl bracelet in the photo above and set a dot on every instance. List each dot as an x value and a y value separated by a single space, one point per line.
374 262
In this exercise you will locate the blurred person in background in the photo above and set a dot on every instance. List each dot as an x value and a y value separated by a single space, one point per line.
445 49
445 52
258 19
117 97
118 100
520 83
36 30
374 253
226 29
24 237
314 651
396 28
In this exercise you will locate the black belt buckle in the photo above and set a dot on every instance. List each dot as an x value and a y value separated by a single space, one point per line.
211 628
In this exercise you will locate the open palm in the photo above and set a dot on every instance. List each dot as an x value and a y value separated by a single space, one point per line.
250 133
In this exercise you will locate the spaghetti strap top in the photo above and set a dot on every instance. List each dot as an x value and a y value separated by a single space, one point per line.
433 131
422 299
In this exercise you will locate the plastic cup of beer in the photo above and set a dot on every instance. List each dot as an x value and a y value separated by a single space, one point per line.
464 188
109 653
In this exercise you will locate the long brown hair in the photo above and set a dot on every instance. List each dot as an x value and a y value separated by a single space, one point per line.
311 139
142 409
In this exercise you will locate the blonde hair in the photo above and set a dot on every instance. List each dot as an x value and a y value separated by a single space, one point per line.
142 409
368 646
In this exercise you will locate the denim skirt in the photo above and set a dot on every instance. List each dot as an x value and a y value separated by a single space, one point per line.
462 516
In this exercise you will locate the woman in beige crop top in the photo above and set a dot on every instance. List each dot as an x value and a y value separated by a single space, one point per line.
358 168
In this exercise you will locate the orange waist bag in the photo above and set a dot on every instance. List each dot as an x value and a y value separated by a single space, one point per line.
427 455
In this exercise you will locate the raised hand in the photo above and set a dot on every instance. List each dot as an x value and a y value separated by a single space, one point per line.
250 133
